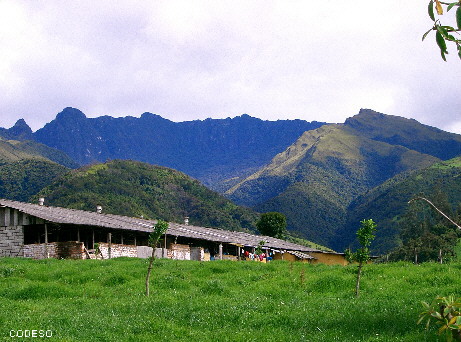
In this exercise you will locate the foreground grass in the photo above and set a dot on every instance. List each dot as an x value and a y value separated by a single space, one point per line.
94 300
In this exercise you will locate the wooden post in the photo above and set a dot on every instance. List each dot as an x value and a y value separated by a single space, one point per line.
109 241
135 239
78 234
121 238
416 256
238 253
440 256
220 251
92 240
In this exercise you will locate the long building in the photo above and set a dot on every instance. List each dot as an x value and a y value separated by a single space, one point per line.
40 231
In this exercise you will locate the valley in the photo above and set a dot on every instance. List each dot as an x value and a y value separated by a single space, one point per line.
323 177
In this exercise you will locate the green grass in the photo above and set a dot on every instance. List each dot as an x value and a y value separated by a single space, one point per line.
93 300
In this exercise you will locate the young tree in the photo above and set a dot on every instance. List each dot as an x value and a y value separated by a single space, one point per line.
365 235
159 229
272 224
445 33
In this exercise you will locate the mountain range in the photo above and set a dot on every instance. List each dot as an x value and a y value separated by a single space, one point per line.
324 177
215 151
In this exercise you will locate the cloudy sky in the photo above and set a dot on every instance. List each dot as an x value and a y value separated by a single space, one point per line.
186 60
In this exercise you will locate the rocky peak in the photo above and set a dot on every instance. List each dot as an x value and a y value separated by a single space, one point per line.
20 131
71 114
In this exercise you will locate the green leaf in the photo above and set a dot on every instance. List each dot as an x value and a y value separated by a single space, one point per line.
431 10
440 42
450 6
458 17
436 315
442 53
425 35
421 319
428 323
443 30
426 305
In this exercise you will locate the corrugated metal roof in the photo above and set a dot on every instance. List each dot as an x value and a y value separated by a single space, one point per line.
301 255
246 239
88 218
79 217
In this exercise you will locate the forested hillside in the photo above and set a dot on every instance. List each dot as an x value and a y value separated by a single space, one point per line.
138 189
26 167
315 180
388 202
22 179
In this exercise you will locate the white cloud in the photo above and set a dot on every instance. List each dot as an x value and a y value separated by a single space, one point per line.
195 59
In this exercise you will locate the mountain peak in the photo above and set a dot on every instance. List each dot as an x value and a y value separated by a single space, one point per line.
151 116
70 113
21 125
370 117
20 131
397 130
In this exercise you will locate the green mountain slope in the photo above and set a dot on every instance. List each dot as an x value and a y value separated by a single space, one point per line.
410 133
388 201
26 167
22 179
315 179
137 189
14 150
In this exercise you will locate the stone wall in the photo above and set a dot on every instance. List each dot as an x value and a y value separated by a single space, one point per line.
179 252
75 250
58 250
118 250
11 240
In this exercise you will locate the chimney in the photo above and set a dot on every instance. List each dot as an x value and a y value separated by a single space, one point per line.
41 200
186 220
99 209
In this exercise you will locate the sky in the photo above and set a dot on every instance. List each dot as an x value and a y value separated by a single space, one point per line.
189 60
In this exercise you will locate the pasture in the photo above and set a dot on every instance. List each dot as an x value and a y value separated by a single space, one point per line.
104 300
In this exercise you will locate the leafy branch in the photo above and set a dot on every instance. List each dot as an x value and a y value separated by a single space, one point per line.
445 311
444 33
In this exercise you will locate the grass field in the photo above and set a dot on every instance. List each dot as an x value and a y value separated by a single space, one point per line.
103 300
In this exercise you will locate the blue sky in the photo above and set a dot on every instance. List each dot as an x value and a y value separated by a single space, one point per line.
187 60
